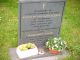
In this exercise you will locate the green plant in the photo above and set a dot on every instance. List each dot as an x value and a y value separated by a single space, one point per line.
27 46
55 44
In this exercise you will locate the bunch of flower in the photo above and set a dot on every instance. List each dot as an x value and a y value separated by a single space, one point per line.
56 44
26 46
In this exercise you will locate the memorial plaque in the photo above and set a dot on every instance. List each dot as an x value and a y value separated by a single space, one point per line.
39 20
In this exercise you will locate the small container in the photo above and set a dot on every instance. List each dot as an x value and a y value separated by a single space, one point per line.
55 52
26 53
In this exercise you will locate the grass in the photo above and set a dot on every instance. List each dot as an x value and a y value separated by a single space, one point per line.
8 28
70 30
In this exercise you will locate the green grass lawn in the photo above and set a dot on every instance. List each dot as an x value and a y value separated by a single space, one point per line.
70 30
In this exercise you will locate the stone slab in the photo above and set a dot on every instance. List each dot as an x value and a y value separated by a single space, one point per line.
46 56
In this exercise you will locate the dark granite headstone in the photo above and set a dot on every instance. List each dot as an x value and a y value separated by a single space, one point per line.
39 20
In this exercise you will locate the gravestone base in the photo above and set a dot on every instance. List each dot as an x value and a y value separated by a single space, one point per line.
46 56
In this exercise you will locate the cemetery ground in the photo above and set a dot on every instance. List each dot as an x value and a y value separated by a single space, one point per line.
70 30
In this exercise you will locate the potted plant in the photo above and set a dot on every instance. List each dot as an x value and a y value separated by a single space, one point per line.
26 50
55 45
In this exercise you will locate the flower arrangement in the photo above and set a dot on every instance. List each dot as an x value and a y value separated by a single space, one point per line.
27 46
55 45
26 50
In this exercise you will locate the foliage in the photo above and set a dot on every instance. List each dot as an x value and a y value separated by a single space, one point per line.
56 44
26 46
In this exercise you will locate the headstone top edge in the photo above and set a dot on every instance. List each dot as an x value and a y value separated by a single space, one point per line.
40 0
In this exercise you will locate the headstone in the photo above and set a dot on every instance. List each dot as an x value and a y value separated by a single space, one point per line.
39 20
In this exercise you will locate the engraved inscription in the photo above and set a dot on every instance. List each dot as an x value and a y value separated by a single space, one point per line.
39 21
